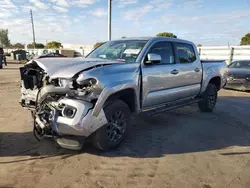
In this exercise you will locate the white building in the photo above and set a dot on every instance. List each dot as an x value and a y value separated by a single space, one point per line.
228 53
81 48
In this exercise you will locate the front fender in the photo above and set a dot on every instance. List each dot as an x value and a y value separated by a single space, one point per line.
112 89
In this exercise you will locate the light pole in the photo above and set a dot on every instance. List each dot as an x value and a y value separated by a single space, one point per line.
33 30
109 18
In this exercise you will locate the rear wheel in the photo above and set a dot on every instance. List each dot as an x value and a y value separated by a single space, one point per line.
113 133
209 99
1 66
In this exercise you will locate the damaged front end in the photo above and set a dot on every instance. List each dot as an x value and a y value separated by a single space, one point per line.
61 107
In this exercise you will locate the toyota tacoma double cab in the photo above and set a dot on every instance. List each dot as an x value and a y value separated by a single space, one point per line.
72 99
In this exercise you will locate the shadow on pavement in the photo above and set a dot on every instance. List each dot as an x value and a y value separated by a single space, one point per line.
231 89
9 68
236 153
180 131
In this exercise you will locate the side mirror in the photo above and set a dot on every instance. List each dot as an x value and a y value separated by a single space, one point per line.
153 58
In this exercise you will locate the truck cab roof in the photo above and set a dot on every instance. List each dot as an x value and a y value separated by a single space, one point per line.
154 39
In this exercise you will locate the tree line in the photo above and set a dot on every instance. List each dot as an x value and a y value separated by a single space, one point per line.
5 41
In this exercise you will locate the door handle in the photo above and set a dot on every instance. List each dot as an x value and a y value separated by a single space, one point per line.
197 70
174 71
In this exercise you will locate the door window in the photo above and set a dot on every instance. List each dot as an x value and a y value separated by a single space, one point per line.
165 50
185 53
240 64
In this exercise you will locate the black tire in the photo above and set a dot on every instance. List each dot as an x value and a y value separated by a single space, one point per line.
209 99
1 66
113 133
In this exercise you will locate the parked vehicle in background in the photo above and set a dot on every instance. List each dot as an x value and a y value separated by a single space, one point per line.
75 98
2 58
239 75
77 54
49 55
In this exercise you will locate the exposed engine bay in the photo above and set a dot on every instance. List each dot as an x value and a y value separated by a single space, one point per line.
60 107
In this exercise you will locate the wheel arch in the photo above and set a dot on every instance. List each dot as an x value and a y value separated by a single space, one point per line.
208 79
216 81
127 92
127 95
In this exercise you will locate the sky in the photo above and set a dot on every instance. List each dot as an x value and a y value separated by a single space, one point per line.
206 22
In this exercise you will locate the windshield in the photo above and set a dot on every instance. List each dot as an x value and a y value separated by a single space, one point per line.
123 50
240 64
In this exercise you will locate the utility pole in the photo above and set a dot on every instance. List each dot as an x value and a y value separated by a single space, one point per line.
109 18
32 23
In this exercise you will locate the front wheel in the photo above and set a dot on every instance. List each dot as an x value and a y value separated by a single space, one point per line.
209 99
113 133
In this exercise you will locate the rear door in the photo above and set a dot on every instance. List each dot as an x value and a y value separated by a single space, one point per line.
189 67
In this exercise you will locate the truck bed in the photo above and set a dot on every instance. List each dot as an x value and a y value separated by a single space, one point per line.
212 61
213 68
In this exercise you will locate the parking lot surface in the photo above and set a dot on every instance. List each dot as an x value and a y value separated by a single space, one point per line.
181 148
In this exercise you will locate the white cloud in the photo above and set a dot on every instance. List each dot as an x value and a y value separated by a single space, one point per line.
161 15
39 4
75 20
5 13
99 12
60 9
123 3
190 4
7 9
136 14
219 27
27 8
161 5
51 22
20 21
7 4
152 6
82 3
63 3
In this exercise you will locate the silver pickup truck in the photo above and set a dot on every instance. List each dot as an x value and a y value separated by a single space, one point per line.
72 99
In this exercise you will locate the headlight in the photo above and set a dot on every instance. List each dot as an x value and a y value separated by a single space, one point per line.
86 87
248 78
87 82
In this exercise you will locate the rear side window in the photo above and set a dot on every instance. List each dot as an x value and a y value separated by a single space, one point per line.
185 53
165 50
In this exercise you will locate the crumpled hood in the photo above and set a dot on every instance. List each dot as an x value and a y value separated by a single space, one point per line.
68 67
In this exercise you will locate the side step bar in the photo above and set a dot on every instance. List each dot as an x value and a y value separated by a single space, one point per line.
172 106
